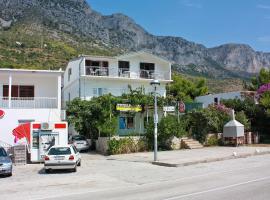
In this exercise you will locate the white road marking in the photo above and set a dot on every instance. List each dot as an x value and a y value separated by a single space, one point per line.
218 188
147 184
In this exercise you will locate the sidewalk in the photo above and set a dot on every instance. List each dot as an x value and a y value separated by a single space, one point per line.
189 157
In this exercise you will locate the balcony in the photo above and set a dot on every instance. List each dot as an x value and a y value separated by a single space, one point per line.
29 102
114 72
97 71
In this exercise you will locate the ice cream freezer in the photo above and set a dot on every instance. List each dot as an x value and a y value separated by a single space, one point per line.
44 136
40 136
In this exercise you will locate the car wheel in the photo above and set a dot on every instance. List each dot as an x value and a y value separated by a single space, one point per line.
47 171
75 169
80 163
10 174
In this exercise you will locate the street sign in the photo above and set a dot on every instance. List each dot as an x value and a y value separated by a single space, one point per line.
168 108
2 114
181 107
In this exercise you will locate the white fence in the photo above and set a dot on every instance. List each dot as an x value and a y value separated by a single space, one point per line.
28 102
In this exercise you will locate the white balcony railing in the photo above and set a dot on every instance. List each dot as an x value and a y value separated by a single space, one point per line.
127 73
28 102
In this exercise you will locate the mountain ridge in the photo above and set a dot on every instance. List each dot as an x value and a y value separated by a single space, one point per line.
76 17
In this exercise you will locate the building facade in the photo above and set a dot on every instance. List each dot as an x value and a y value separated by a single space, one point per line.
28 96
92 76
209 99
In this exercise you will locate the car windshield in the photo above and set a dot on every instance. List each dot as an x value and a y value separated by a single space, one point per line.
59 151
3 153
78 137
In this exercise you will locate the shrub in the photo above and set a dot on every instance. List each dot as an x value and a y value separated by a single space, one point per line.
212 141
167 127
211 119
126 145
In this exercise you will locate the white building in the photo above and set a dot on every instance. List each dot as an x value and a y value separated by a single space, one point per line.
209 99
28 96
90 76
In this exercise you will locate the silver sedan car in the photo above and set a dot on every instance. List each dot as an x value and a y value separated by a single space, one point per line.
62 157
5 163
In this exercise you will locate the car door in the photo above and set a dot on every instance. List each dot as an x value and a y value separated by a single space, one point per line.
77 154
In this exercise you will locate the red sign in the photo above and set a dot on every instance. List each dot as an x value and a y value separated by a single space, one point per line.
56 126
2 114
181 107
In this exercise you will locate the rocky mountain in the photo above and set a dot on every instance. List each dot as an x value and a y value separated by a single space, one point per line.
77 18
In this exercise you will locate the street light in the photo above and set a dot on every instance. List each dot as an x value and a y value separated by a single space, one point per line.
155 83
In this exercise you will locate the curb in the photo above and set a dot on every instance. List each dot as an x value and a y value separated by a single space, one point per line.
209 160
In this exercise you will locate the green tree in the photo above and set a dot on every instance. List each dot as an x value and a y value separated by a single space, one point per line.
185 89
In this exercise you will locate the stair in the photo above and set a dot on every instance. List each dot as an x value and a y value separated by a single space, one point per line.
189 143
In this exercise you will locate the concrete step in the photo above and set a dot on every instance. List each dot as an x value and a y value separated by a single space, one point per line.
191 143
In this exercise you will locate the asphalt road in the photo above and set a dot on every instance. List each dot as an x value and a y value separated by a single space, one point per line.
246 178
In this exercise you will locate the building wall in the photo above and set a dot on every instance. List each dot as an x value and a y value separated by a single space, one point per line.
116 87
210 99
45 85
12 117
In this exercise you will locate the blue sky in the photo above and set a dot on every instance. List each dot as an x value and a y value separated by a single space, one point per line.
208 22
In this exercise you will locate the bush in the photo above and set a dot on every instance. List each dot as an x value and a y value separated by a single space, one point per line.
126 145
211 119
212 141
167 127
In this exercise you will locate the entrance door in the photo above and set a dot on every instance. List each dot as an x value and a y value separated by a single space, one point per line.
46 140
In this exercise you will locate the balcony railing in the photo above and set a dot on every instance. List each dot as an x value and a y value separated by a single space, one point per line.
97 71
127 73
28 102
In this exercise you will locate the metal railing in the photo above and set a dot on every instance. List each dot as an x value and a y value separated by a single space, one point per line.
127 73
97 71
28 102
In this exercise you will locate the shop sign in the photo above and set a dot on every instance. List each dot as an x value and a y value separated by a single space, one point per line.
128 107
168 108
2 114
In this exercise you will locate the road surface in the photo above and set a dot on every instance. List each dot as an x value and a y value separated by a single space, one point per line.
98 179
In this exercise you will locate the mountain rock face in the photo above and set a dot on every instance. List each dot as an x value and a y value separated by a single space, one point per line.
76 17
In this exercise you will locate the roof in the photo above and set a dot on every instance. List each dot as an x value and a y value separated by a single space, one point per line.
233 123
130 54
122 56
31 71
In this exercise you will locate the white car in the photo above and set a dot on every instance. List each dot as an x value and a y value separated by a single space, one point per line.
80 142
62 157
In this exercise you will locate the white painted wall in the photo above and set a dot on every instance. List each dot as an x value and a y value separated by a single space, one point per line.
114 84
116 87
12 116
210 99
46 85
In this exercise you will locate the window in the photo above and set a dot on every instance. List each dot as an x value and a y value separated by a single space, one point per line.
126 123
69 97
147 66
105 64
19 91
123 64
69 73
147 70
216 100
60 151
26 91
99 91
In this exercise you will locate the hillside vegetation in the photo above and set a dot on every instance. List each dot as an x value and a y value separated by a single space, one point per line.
36 47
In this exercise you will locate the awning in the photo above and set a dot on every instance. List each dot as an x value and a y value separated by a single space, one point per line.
22 131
